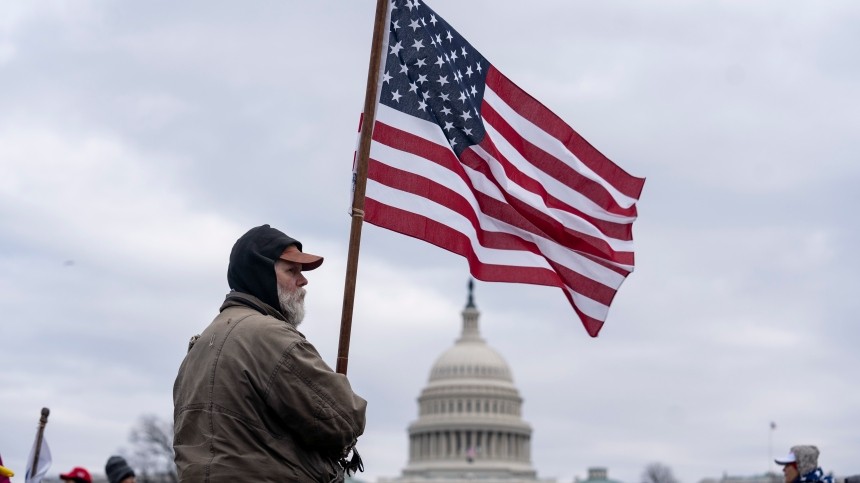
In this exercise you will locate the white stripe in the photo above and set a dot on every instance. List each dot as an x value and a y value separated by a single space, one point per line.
416 164
552 185
515 258
543 140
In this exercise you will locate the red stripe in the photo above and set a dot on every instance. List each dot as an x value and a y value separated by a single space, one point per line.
537 113
527 217
550 165
516 213
452 200
443 236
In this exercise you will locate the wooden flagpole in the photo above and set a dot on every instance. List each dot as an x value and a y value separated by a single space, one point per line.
39 435
368 119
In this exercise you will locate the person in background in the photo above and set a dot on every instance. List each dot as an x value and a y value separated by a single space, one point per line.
77 475
801 465
118 470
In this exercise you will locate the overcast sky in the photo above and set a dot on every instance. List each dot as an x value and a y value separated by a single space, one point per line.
138 140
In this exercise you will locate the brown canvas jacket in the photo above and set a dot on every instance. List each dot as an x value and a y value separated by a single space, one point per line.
254 401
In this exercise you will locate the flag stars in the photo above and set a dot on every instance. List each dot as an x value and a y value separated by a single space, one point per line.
463 52
395 25
463 97
414 24
422 78
418 45
442 80
448 126
396 48
469 71
433 20
439 61
385 77
466 115
421 62
395 96
422 106
413 87
445 110
449 37
404 69
453 56
444 96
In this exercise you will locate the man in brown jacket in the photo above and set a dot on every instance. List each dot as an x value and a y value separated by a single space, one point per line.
253 400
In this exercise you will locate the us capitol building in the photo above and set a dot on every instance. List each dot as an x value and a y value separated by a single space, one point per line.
469 425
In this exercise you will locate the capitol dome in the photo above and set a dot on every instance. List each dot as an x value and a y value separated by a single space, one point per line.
469 422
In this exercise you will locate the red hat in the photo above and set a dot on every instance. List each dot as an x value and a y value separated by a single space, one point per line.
77 474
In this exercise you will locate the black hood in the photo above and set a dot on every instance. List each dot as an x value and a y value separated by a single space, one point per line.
252 263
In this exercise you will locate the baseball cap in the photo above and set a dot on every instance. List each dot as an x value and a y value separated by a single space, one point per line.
77 474
786 460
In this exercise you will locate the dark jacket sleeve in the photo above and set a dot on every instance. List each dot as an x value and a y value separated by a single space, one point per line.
316 403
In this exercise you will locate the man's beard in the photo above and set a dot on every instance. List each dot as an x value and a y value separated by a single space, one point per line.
292 304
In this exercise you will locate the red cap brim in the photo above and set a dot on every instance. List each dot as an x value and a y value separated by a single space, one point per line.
308 261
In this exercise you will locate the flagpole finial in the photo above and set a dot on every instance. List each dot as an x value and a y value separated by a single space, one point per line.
470 302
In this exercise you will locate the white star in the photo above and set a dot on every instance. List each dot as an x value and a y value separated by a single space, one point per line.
415 25
439 39
395 49
449 37
463 96
448 126
423 23
466 116
385 77
418 45
453 142
443 96
392 6
463 50
422 78
395 25
468 131
395 96
415 2
469 71
425 95
439 61
422 105
433 20
420 62
453 55
446 111
413 87
403 69
409 4
474 91
478 66
442 80
432 41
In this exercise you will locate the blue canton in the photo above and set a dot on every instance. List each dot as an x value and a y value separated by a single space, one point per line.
432 73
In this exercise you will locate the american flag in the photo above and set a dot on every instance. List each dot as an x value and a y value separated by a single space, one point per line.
464 159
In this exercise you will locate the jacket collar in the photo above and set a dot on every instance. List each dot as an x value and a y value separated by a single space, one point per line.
235 298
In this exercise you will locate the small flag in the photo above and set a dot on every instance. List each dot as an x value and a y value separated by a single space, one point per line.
464 159
42 466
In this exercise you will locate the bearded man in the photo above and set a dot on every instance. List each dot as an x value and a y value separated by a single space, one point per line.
253 400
